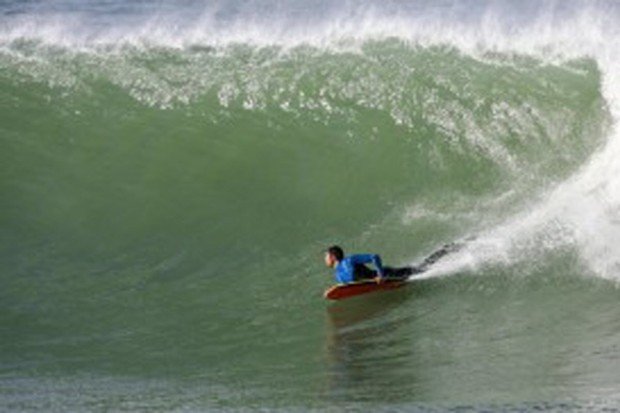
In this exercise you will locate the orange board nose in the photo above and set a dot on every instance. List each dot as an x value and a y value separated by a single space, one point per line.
340 291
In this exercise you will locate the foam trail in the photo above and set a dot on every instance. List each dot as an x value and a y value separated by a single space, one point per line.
582 212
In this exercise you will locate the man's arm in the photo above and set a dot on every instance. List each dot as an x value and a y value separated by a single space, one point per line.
367 259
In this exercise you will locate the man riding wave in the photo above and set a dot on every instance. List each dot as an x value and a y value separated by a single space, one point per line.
352 268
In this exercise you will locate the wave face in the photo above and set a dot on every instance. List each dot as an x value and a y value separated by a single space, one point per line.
171 173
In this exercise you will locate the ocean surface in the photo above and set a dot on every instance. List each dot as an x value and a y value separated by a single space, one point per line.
171 171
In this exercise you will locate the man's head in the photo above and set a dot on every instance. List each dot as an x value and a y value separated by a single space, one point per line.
333 255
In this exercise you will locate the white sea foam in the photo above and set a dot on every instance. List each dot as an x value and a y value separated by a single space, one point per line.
550 28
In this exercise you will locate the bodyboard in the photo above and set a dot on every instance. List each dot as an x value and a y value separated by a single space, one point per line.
341 291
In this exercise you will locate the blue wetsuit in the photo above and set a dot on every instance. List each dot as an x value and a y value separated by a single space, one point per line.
345 270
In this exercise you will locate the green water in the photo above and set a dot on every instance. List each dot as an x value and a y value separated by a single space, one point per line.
164 211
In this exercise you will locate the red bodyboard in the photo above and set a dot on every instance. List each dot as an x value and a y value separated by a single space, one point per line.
340 291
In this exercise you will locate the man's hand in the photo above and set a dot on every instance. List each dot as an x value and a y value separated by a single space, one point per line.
379 279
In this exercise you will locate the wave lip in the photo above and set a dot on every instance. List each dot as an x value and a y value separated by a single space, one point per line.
488 25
